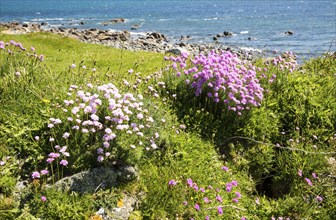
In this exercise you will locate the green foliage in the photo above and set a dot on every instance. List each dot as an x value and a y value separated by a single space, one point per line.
58 205
265 148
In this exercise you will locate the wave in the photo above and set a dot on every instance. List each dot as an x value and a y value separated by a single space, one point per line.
244 32
250 49
48 19
210 19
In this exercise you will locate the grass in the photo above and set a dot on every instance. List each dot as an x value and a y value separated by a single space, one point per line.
262 151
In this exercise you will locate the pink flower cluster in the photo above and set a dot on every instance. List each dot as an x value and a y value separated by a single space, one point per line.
286 61
20 48
103 112
223 77
208 197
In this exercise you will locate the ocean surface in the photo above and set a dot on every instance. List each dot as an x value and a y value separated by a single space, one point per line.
265 22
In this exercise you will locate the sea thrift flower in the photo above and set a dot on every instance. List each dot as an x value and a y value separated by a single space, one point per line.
308 182
100 151
2 163
220 210
100 158
44 172
238 195
314 175
172 183
37 138
66 135
319 198
43 198
257 201
235 200
64 162
219 199
225 168
36 175
300 172
17 74
197 207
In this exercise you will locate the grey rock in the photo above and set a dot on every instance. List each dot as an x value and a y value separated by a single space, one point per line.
94 179
289 33
177 51
227 34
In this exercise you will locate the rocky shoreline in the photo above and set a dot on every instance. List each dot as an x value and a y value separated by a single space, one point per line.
151 41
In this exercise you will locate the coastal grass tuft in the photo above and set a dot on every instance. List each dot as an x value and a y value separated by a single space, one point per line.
198 157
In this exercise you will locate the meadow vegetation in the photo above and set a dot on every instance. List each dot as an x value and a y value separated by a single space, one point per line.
212 136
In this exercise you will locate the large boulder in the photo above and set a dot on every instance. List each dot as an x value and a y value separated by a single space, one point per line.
98 178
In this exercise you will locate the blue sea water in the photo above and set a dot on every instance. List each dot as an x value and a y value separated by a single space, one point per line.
265 21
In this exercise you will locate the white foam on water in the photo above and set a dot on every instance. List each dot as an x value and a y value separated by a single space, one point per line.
244 32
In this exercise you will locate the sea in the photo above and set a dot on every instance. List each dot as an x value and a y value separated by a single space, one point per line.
256 24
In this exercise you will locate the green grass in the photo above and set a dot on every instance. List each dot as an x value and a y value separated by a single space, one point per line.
301 104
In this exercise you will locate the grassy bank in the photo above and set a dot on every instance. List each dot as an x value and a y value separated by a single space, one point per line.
237 141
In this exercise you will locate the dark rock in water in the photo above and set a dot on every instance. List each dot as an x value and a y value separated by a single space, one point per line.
43 23
135 26
251 38
227 34
219 35
118 20
188 37
81 23
289 33
215 38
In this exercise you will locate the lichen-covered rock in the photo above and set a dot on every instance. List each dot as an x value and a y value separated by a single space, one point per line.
97 178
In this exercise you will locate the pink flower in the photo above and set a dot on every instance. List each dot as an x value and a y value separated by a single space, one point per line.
225 168
64 162
172 183
257 201
66 135
314 175
300 172
50 160
190 182
238 195
308 182
36 175
319 198
220 210
197 207
44 172
100 158
43 198
234 183
235 200
219 198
